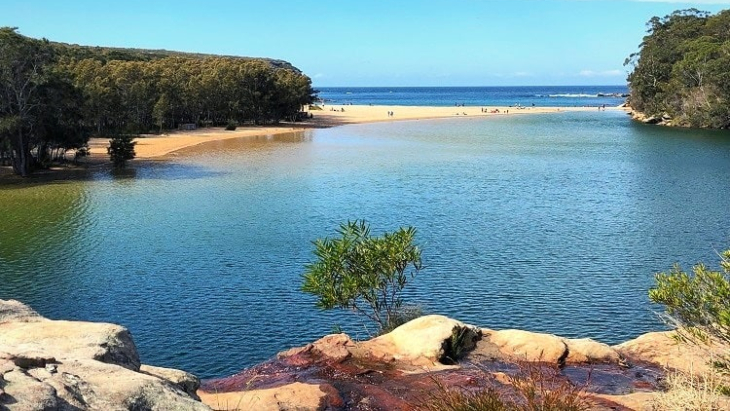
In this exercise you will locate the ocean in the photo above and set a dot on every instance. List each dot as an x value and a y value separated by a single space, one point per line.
545 96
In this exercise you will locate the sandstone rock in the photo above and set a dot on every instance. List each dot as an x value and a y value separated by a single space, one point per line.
94 385
334 347
66 339
65 365
511 345
639 401
420 342
181 379
529 346
23 392
586 350
662 349
12 310
296 396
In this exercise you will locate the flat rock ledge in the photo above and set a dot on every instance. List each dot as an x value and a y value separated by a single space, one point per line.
73 365
399 370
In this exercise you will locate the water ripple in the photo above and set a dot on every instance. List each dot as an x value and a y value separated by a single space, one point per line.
547 223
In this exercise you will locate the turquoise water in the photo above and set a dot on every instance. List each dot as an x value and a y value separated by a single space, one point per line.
552 223
545 96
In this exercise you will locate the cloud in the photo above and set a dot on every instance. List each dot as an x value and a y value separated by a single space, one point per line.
604 73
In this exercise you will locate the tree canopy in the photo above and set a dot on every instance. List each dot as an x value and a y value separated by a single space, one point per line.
681 69
53 95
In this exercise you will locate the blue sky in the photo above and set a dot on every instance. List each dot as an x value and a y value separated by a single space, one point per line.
375 42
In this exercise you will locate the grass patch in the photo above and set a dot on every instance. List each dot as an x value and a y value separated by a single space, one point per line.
687 391
536 387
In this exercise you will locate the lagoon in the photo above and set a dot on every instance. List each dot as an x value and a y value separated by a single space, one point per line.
552 223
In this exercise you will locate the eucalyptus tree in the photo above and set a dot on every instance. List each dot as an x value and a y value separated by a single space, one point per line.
24 66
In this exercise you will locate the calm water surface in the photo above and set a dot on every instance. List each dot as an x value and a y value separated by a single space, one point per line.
552 223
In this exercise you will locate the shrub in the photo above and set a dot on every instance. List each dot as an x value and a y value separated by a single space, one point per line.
363 273
462 340
698 304
544 388
461 400
121 149
231 126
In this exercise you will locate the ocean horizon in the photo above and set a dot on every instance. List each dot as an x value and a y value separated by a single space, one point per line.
442 96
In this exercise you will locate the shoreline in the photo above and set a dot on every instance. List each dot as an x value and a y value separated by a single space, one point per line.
154 147
158 146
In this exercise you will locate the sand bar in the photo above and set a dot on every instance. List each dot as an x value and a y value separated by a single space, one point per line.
151 146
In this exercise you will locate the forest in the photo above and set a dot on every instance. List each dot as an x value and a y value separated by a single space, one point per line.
54 96
681 72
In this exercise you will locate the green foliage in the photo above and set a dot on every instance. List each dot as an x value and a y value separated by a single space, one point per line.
232 125
698 304
52 95
24 72
682 71
363 273
166 92
121 149
462 340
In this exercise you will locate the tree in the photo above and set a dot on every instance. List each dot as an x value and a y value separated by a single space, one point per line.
698 304
23 67
363 273
121 149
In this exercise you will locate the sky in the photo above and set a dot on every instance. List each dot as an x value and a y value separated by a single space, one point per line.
374 42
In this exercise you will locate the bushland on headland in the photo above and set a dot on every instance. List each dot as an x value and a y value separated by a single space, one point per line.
53 96
681 69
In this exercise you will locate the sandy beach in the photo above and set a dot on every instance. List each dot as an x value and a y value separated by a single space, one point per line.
152 146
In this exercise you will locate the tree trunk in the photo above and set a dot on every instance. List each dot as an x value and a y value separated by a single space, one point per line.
21 160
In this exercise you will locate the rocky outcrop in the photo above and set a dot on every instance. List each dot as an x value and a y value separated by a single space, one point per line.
180 379
16 311
71 365
665 350
426 356
294 396
64 365
429 341
662 120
